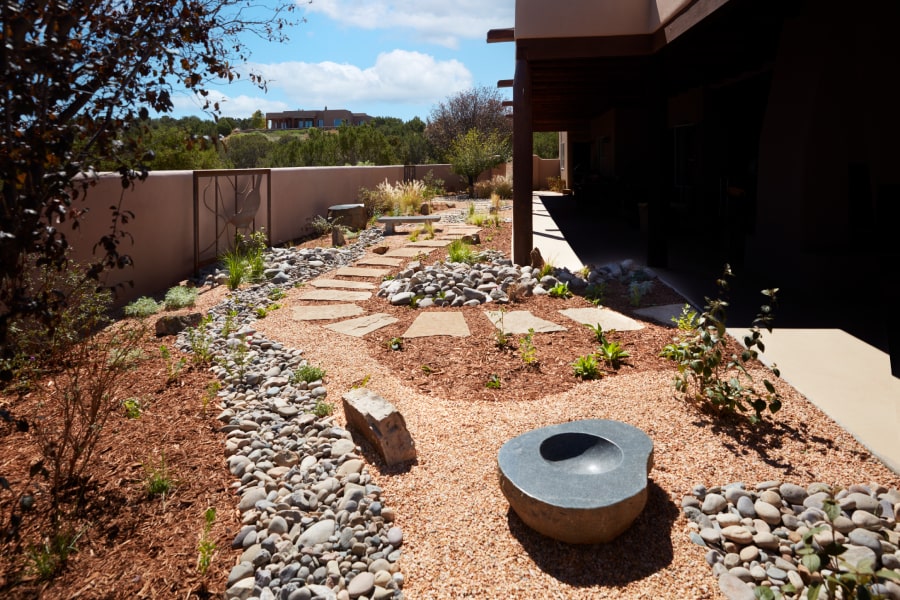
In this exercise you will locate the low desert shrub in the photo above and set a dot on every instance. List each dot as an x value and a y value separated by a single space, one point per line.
706 373
142 307
460 252
180 297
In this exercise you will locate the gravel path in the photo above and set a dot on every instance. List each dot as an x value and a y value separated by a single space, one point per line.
463 541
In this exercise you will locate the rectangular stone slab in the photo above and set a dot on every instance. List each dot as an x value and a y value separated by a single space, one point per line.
342 283
608 319
382 261
361 272
430 243
361 326
520 321
430 324
408 252
335 295
381 423
661 314
321 312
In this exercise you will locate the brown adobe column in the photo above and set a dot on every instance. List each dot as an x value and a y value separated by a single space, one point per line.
523 148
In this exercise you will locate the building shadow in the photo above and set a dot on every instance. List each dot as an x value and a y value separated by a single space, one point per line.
644 549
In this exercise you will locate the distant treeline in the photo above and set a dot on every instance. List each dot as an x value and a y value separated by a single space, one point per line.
190 143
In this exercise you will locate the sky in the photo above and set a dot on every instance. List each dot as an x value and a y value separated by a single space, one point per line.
385 58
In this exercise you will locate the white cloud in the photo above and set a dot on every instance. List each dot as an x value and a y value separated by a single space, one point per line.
242 106
437 21
399 76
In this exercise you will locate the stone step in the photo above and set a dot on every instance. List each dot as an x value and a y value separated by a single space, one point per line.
334 295
342 283
381 261
409 252
520 321
606 318
361 272
430 324
362 325
325 312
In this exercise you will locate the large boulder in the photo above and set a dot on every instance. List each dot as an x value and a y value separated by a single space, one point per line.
175 324
381 423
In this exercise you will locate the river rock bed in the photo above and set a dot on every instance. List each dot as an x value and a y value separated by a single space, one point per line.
313 522
494 278
756 536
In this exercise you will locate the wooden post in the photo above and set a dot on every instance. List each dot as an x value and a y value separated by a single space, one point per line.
523 148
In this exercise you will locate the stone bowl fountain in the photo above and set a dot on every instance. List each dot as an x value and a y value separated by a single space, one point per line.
582 482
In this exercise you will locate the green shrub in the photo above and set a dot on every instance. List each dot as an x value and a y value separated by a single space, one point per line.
142 307
706 374
560 290
180 297
308 373
322 409
159 481
586 367
460 252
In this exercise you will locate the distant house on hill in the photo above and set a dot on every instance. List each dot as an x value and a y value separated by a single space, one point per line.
320 119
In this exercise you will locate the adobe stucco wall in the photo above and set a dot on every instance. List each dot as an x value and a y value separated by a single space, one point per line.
160 237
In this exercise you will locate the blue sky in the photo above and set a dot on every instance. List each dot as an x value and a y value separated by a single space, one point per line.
395 58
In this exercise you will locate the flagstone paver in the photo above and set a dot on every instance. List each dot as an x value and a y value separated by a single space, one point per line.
342 283
362 325
321 312
520 321
383 261
430 243
334 295
361 272
409 252
661 314
430 324
606 318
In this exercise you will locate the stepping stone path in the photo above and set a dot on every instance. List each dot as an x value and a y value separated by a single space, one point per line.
381 261
320 312
408 252
335 295
429 324
362 325
661 314
342 283
361 272
520 321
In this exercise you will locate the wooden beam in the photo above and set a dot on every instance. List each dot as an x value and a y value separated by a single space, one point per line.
523 148
505 83
501 35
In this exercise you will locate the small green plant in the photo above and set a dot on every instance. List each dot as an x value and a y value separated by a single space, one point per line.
596 293
493 382
261 312
395 344
322 409
142 307
560 290
212 390
427 369
460 252
637 290
613 353
388 277
308 373
201 342
180 297
687 320
206 547
321 225
527 350
414 235
586 367
120 358
707 374
132 408
237 268
228 325
159 482
501 338
276 294
599 335
173 367
546 269
362 382
48 559
471 212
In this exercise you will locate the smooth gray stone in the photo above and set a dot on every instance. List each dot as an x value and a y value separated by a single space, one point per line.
745 507
578 482
318 533
792 493
869 539
240 571
714 503
734 588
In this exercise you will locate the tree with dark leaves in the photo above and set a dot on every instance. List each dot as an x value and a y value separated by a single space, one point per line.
79 79
477 108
